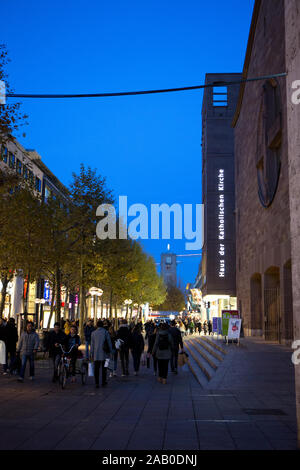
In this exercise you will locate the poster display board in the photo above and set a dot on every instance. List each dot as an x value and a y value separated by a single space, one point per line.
215 325
226 315
234 328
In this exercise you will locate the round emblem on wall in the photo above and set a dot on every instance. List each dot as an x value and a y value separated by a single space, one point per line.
268 157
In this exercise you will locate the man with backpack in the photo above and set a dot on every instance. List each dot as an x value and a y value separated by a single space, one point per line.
163 348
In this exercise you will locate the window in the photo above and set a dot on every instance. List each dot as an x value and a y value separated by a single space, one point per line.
220 96
38 184
4 153
19 167
25 172
12 160
30 174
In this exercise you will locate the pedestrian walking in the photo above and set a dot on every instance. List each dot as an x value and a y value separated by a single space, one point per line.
137 346
113 338
88 330
101 348
11 339
151 342
177 340
27 347
124 334
163 347
209 325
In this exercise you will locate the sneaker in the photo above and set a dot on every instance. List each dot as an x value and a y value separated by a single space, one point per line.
110 375
123 375
5 373
20 379
31 378
135 373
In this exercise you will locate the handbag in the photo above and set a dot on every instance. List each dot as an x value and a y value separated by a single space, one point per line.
91 369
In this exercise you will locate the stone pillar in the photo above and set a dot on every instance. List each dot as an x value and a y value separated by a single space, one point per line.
292 39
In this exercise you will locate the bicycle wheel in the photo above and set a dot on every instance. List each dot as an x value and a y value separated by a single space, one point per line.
63 376
84 373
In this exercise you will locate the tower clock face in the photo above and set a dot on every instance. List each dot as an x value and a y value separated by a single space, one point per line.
168 260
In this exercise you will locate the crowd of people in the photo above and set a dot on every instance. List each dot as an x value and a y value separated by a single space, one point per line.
154 344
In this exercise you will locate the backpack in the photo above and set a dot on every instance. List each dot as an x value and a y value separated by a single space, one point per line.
163 342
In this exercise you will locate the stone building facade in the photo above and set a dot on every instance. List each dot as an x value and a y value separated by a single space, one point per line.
263 256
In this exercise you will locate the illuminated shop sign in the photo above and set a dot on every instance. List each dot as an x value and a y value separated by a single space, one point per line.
221 223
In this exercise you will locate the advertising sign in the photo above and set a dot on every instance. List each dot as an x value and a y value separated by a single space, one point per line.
234 328
226 315
219 325
215 324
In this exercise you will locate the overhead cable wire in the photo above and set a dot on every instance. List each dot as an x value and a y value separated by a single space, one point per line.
143 92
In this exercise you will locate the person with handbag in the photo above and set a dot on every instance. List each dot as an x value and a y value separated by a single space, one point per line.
124 334
101 349
163 348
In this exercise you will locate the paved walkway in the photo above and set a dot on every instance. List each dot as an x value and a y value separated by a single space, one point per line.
249 404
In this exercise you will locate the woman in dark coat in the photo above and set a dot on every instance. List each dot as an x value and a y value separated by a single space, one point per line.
137 346
151 342
163 348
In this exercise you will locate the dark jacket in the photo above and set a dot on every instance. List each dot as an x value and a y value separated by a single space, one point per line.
163 353
151 342
88 330
54 338
125 335
177 338
137 343
11 337
72 340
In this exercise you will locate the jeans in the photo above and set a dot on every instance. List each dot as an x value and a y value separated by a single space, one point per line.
87 344
174 360
25 358
12 361
56 360
124 356
97 365
115 358
136 355
163 368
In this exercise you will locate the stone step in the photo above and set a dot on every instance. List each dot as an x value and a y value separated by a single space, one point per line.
214 344
198 360
204 351
209 348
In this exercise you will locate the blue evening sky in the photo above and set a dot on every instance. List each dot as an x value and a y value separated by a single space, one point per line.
148 147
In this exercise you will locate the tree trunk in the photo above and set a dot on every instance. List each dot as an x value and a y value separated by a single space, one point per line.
26 297
116 317
81 303
58 294
52 305
110 305
3 294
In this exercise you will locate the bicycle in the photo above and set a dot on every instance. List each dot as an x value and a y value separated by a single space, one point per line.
64 368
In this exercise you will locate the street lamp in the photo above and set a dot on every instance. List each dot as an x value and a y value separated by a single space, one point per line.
127 302
39 302
94 292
